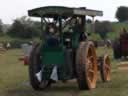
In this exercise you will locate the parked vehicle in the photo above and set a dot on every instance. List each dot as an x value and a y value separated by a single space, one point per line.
120 46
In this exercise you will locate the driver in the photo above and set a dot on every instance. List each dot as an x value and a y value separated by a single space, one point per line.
52 35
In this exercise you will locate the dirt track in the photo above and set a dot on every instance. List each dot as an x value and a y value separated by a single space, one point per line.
123 66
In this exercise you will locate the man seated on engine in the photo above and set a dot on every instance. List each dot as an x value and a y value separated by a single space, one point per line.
77 27
52 35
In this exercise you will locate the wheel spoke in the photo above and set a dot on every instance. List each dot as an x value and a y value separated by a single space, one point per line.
107 66
90 75
91 70
89 79
88 62
90 58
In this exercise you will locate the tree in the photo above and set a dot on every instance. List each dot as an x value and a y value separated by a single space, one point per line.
24 28
102 28
122 13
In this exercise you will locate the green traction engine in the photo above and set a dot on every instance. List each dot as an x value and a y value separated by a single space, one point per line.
65 53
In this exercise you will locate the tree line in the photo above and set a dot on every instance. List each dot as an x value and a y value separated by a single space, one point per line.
22 27
26 28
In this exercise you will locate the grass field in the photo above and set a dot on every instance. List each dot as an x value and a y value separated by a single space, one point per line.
14 80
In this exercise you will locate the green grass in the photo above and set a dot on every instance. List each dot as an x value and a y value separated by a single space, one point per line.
11 70
14 80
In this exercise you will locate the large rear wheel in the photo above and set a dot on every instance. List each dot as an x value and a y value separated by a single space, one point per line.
86 66
35 66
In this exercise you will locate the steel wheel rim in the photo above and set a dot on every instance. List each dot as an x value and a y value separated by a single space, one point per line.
91 66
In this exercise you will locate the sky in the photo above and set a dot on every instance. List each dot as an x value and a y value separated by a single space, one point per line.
11 9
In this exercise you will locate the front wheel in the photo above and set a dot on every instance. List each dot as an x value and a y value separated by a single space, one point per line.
105 69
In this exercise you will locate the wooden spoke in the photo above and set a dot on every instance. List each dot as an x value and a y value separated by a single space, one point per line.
91 70
107 66
90 58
